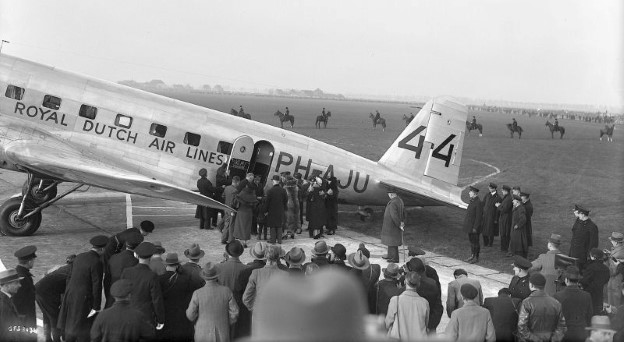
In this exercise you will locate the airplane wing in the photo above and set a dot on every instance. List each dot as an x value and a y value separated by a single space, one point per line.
57 159
428 196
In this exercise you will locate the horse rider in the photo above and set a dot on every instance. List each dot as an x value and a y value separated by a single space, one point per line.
556 125
514 124
241 112
377 116
287 112
474 122
323 112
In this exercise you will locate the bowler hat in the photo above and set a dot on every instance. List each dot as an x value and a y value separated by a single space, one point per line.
145 250
320 248
172 259
296 256
600 323
468 291
555 238
596 253
9 275
209 271
121 288
392 271
194 252
26 253
415 265
340 251
258 250
616 237
572 272
234 248
525 194
358 260
99 241
537 279
521 262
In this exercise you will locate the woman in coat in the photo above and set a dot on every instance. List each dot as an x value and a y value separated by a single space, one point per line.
316 214
518 244
242 224
331 205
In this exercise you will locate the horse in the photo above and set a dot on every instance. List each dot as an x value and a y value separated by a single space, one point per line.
240 115
322 118
285 117
380 121
517 129
479 127
408 119
553 129
608 130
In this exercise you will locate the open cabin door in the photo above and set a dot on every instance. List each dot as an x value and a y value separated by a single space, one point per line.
240 159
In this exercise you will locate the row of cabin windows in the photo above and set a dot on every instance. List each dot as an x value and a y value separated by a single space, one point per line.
124 121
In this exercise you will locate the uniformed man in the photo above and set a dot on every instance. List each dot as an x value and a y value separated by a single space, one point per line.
472 224
377 116
323 112
11 328
504 208
49 293
203 213
584 236
490 215
24 299
528 209
119 262
519 285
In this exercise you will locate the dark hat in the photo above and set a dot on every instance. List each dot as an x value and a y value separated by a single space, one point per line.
26 253
297 175
600 323
234 248
506 188
258 250
572 272
358 260
412 279
172 259
315 172
340 251
364 250
121 288
392 271
521 262
537 279
320 248
525 194
473 189
296 256
159 249
596 253
203 172
134 240
468 291
147 226
415 265
285 173
145 250
99 241
415 251
209 271
194 252
516 188
493 186
616 237
555 238
517 198
9 275
276 178
581 210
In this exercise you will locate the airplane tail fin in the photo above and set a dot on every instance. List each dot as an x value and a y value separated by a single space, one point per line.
431 145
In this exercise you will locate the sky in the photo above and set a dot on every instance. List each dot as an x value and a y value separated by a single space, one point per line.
560 51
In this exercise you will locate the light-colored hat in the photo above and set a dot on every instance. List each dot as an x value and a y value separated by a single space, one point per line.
600 323
8 276
358 260
209 271
194 252
616 237
258 250
320 248
296 256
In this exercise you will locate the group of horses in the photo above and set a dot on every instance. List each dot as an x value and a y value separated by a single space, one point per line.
240 114
321 119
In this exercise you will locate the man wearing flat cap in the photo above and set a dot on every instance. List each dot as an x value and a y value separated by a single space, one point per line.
584 236
576 305
595 277
540 317
83 296
24 299
504 208
10 321
471 322
472 224
122 321
519 285
547 265
490 215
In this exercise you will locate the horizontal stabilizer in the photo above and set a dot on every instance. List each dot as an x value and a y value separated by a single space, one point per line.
431 195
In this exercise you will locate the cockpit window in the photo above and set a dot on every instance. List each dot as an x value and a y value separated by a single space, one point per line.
14 92
88 112
51 102
123 121
158 130
192 139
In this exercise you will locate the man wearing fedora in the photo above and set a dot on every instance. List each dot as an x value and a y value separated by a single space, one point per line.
338 256
504 312
275 206
490 215
472 224
504 208
519 285
429 290
83 296
24 299
258 254
616 256
387 288
471 322
540 317
295 259
408 313
213 309
584 236
393 226
177 287
119 262
194 254
600 330
146 292
546 264
122 321
11 325
595 277
156 262
576 305
319 253
259 277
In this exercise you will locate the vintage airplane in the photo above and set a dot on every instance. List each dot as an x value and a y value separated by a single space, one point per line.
58 126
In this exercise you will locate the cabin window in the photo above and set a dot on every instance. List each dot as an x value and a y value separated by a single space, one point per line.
14 92
192 139
158 130
224 147
123 121
51 102
88 112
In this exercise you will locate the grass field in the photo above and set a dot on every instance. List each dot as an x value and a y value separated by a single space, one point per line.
557 173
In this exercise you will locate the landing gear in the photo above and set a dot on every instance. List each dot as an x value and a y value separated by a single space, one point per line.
44 190
366 214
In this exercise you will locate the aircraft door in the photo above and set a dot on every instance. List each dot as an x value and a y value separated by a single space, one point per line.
240 159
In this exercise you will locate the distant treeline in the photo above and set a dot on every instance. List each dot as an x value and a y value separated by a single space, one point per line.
599 117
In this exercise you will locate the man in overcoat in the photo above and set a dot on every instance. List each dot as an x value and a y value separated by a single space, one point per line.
386 288
11 327
595 277
275 206
120 261
24 299
429 290
504 313
454 300
490 215
316 213
49 293
229 194
472 224
504 208
205 214
528 209
470 322
546 264
393 226
576 305
518 238
83 296
584 236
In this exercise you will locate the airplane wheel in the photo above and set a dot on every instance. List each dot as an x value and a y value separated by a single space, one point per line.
37 196
10 225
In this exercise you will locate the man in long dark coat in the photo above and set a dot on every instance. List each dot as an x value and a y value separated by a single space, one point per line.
331 205
528 209
120 261
472 224
490 215
504 220
24 299
584 236
205 214
316 213
386 288
84 292
274 207
595 277
393 226
504 312
429 290
518 239
49 293
576 305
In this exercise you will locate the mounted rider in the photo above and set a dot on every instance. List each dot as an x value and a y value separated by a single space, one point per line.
474 122
514 124
241 112
556 125
323 112
287 112
377 117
